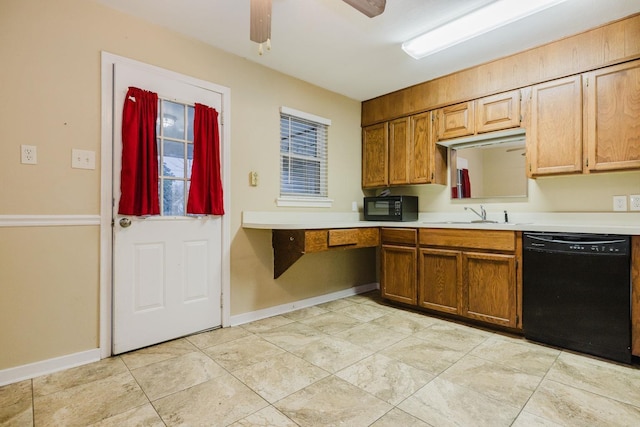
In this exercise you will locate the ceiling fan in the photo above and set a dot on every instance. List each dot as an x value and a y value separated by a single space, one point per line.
370 8
260 23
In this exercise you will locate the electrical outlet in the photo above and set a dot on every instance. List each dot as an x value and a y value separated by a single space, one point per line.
634 202
619 203
28 155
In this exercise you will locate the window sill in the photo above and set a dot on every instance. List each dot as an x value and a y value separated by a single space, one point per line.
304 202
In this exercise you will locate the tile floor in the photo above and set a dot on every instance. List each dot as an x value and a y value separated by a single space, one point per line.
350 362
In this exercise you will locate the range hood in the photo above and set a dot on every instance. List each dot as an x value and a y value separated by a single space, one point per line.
490 138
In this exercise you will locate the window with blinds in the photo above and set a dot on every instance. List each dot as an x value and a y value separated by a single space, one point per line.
303 155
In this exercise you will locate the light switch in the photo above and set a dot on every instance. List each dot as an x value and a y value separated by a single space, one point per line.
83 159
253 179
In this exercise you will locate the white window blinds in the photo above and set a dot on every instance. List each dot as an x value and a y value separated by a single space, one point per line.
303 154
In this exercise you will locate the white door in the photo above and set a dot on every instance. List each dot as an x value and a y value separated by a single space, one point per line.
167 270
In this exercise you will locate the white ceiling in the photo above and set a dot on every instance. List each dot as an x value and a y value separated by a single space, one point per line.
332 45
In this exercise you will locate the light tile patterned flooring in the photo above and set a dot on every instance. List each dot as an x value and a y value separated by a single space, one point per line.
350 362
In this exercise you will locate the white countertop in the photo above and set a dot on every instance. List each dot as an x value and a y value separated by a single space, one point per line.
600 223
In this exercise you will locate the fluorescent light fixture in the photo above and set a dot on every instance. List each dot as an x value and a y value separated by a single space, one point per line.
488 18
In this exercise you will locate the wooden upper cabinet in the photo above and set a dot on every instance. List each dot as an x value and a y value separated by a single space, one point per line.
456 120
399 151
554 129
375 146
498 112
428 161
613 118
421 165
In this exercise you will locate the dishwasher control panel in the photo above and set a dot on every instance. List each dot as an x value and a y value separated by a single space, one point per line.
602 244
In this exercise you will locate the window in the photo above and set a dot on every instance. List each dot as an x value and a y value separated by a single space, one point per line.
303 159
175 150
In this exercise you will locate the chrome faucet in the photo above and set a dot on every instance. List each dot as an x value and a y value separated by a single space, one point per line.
482 214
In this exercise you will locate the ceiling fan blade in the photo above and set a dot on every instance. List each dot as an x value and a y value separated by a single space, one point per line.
260 23
370 8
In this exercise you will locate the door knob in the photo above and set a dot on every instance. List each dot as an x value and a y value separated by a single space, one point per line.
125 222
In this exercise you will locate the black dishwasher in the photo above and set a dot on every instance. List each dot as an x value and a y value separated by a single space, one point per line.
577 292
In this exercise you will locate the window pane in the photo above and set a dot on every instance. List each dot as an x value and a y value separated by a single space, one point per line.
189 160
173 119
303 155
173 197
300 176
173 160
190 118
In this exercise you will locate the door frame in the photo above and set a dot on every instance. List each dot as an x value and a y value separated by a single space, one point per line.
106 190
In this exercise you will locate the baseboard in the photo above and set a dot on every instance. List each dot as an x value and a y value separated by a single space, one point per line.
286 308
44 367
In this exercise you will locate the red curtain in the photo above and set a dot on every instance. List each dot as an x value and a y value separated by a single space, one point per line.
139 173
466 184
205 193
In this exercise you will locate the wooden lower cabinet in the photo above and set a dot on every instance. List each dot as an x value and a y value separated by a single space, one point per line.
399 276
399 258
471 273
489 287
440 280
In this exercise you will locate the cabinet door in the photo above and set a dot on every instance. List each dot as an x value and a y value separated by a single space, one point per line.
399 145
498 112
554 137
489 288
399 274
456 120
440 280
422 146
375 147
613 117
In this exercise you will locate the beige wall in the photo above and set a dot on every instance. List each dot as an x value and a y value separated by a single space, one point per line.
50 95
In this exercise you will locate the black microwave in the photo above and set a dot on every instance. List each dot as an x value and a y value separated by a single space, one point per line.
391 208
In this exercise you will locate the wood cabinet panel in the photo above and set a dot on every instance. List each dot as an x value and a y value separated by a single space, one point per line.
468 273
498 112
399 151
554 130
592 49
316 241
411 155
456 120
399 274
421 167
291 245
375 152
613 117
498 240
343 237
399 236
489 293
440 283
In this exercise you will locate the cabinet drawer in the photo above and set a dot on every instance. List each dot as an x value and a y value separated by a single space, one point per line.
499 240
322 240
399 236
